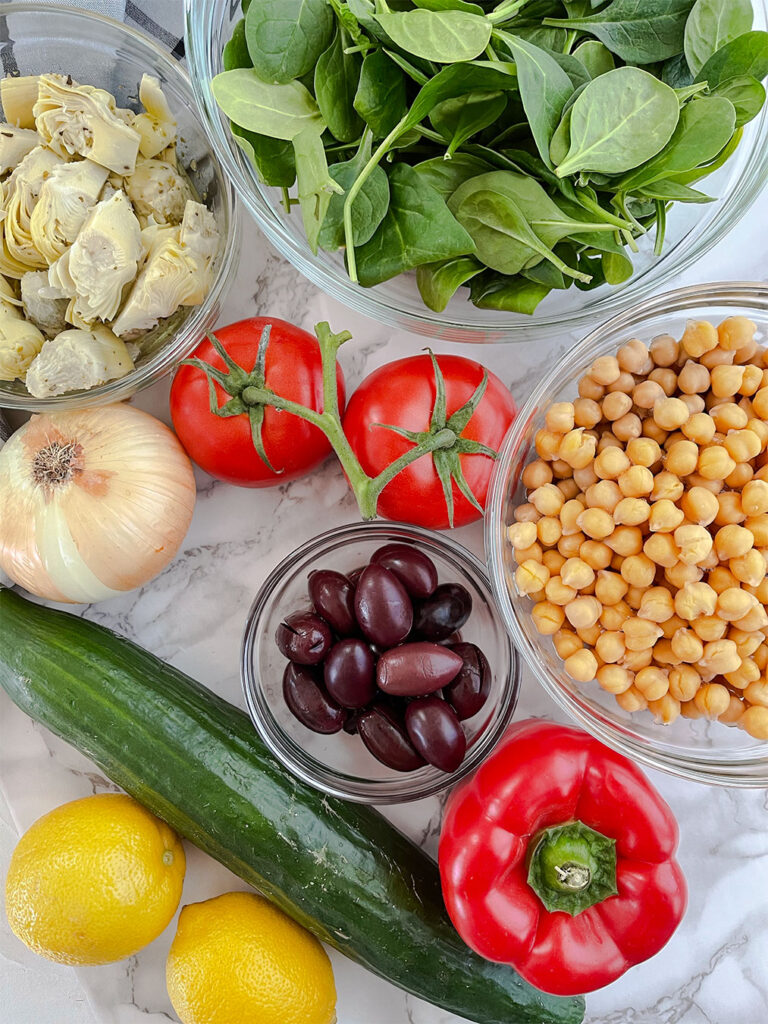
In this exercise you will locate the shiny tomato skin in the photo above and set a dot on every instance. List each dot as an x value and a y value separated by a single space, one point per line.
403 394
223 446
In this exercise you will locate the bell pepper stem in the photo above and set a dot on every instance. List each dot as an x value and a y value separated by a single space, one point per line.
572 867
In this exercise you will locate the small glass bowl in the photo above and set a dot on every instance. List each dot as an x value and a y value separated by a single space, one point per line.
693 749
692 230
99 51
340 765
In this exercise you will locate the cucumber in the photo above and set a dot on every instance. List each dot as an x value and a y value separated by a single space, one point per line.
339 869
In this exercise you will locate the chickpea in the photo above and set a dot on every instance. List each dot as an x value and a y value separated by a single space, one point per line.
665 351
667 379
754 497
522 535
631 700
531 577
662 549
596 523
643 451
612 616
569 544
638 570
609 646
746 673
634 596
667 486
684 681
560 417
758 527
589 388
587 413
631 512
733 712
652 430
652 682
662 653
566 643
577 448
687 646
633 661
670 413
614 678
581 666
605 370
729 510
732 541
743 445
682 458
633 357
760 427
596 554
583 612
726 380
628 427
640 634
694 403
715 463
712 700
604 494
549 530
657 605
557 592
694 600
729 416
751 381
746 643
526 513
694 543
700 428
665 516
757 693
755 722
569 516
576 574
616 563
547 500
710 627
699 337
761 590
720 656
616 405
547 617
755 619
721 578
689 710
740 476
734 603
681 574
608 440
610 587
760 403
569 488
536 474
585 477
532 554
700 506
750 568
561 470
625 541
693 379
635 482
735 332
671 626
547 443
665 710
611 463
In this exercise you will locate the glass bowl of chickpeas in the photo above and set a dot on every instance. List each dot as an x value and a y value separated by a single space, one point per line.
627 533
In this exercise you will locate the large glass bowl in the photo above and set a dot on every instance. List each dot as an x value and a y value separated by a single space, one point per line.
693 749
99 51
340 765
691 231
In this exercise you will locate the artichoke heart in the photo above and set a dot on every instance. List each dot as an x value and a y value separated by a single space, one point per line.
177 272
18 96
158 192
80 119
101 261
157 126
65 199
20 341
22 192
46 313
15 143
78 359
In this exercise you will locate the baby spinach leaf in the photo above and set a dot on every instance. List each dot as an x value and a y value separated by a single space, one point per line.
573 67
617 267
286 37
349 23
547 274
622 119
747 96
676 73
460 118
273 159
697 173
457 80
381 96
507 294
561 140
439 282
450 5
235 53
414 73
336 79
244 5
712 24
445 176
538 35
638 31
595 56
418 228
745 56
544 89
672 191
441 36
279 111
315 184
369 207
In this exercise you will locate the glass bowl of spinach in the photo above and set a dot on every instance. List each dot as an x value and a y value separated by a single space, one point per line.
479 170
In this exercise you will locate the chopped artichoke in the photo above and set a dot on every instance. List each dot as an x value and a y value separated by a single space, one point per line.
15 143
177 272
8 296
18 96
78 359
22 191
20 342
101 261
48 314
156 126
158 192
79 119
65 199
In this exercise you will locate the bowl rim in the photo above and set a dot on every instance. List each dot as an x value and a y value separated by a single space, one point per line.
201 318
747 772
405 787
439 325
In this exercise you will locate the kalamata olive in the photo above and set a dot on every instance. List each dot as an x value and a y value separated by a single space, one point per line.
414 670
382 606
384 734
334 598
308 701
355 575
350 725
349 673
441 614
436 732
415 570
468 691
304 638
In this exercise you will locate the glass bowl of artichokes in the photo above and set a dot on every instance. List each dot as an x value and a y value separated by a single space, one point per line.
118 229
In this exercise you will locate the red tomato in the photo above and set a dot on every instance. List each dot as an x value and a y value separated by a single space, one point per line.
403 394
223 446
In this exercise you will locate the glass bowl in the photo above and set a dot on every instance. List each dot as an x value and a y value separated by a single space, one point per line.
340 765
99 51
691 230
692 749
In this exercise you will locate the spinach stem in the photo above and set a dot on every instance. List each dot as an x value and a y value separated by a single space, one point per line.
505 11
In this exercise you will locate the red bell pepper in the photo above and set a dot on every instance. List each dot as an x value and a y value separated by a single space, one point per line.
557 857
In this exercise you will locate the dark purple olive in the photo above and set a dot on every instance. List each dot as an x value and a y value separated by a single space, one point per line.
469 690
350 725
412 567
414 670
441 614
304 638
307 700
384 734
349 673
382 606
355 575
334 598
436 732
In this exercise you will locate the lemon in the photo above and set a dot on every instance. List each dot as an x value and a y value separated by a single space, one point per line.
237 959
94 881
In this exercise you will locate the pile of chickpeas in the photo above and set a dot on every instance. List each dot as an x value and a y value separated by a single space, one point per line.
643 542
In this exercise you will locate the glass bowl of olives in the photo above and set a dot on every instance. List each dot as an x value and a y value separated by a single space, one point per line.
375 666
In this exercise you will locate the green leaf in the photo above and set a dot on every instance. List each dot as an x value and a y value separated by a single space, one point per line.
638 31
336 79
450 5
441 36
273 159
286 37
746 56
235 53
676 73
418 228
315 184
381 96
595 56
747 96
458 119
697 173
509 294
369 207
279 111
622 119
617 267
712 24
672 191
445 176
544 88
439 282
561 140
573 67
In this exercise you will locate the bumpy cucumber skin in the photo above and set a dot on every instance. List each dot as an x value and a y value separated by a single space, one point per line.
339 869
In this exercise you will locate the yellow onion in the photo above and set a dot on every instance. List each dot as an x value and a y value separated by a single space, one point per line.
93 502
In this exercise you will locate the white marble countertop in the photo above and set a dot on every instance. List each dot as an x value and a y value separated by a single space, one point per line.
715 968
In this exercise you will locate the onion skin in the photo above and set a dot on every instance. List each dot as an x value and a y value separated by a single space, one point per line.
93 502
